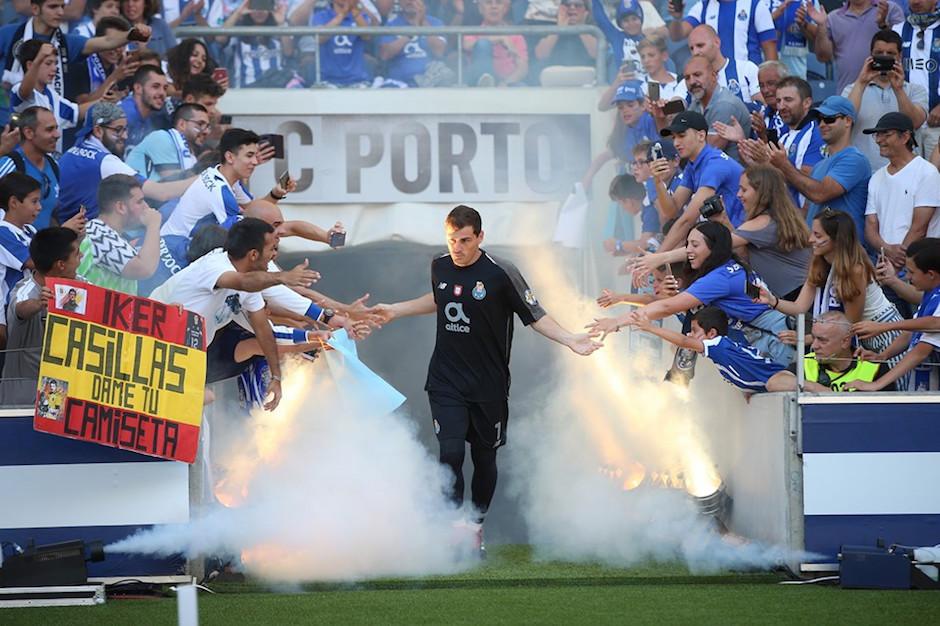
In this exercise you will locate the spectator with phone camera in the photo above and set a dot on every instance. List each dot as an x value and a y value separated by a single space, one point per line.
665 178
104 75
408 58
879 89
903 196
190 58
146 13
256 57
654 53
342 57
625 37
496 59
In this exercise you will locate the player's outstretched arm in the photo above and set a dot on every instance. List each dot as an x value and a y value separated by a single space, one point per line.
581 344
419 306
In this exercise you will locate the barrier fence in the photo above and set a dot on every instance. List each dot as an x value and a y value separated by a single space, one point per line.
600 62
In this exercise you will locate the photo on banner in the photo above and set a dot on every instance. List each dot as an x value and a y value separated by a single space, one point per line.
121 371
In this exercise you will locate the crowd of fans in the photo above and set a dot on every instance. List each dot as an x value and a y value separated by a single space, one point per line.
761 190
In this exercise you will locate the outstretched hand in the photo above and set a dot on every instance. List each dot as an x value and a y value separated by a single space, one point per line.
602 326
584 344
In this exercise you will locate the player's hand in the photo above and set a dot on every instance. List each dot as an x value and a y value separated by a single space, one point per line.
583 344
603 326
274 391
867 329
300 276
608 298
383 313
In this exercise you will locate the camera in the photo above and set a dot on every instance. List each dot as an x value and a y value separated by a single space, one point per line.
882 64
712 206
657 151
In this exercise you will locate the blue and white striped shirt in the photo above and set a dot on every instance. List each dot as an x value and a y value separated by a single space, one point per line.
804 146
922 63
742 25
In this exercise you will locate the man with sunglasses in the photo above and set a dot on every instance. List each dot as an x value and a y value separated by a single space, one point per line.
921 52
840 180
96 156
167 154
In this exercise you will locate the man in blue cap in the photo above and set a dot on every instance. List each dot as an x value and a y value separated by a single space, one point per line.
840 180
639 126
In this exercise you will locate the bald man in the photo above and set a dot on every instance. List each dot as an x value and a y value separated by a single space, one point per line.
715 102
739 76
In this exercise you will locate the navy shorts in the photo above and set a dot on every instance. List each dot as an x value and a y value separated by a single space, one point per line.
480 423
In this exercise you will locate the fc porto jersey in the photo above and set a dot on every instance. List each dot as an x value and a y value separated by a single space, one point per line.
475 308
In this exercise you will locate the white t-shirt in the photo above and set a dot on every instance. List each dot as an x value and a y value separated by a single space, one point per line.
893 197
208 194
195 288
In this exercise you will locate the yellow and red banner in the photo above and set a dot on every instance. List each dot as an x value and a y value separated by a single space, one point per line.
122 371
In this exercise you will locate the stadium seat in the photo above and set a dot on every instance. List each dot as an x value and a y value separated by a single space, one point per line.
567 76
822 89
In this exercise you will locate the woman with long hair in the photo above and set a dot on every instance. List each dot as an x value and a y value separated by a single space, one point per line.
716 276
147 12
841 278
189 58
773 238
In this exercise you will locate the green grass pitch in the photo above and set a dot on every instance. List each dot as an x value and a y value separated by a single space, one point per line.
512 587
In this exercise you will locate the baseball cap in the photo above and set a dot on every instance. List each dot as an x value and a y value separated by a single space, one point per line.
669 150
105 113
835 105
629 7
629 91
893 121
683 122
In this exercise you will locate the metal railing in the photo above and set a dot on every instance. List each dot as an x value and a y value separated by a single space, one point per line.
600 63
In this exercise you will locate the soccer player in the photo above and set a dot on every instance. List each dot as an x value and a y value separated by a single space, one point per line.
475 296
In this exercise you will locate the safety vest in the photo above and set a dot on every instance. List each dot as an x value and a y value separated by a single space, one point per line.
861 370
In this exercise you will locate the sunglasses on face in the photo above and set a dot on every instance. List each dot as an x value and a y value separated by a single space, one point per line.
826 119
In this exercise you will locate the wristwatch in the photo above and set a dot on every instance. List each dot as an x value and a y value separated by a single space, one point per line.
327 315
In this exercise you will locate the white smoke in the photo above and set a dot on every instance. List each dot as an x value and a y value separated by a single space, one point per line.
605 466
325 488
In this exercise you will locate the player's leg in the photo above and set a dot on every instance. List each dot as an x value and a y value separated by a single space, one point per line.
451 423
488 432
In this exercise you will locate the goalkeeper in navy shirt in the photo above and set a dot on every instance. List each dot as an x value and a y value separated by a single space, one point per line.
741 365
475 296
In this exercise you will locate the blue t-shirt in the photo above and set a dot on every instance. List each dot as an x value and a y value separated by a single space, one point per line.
650 185
713 168
649 217
413 59
929 307
644 130
724 287
343 60
851 169
48 185
742 366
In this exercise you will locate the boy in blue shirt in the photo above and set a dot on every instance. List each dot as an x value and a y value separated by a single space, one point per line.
921 335
742 366
629 196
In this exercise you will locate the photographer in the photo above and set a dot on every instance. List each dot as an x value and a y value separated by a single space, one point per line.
880 88
666 177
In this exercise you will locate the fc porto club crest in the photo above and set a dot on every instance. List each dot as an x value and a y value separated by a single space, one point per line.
742 15
734 86
458 289
479 291
529 297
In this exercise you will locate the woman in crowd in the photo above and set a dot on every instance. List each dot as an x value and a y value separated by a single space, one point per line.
189 58
841 278
715 276
773 238
95 10
253 57
146 12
